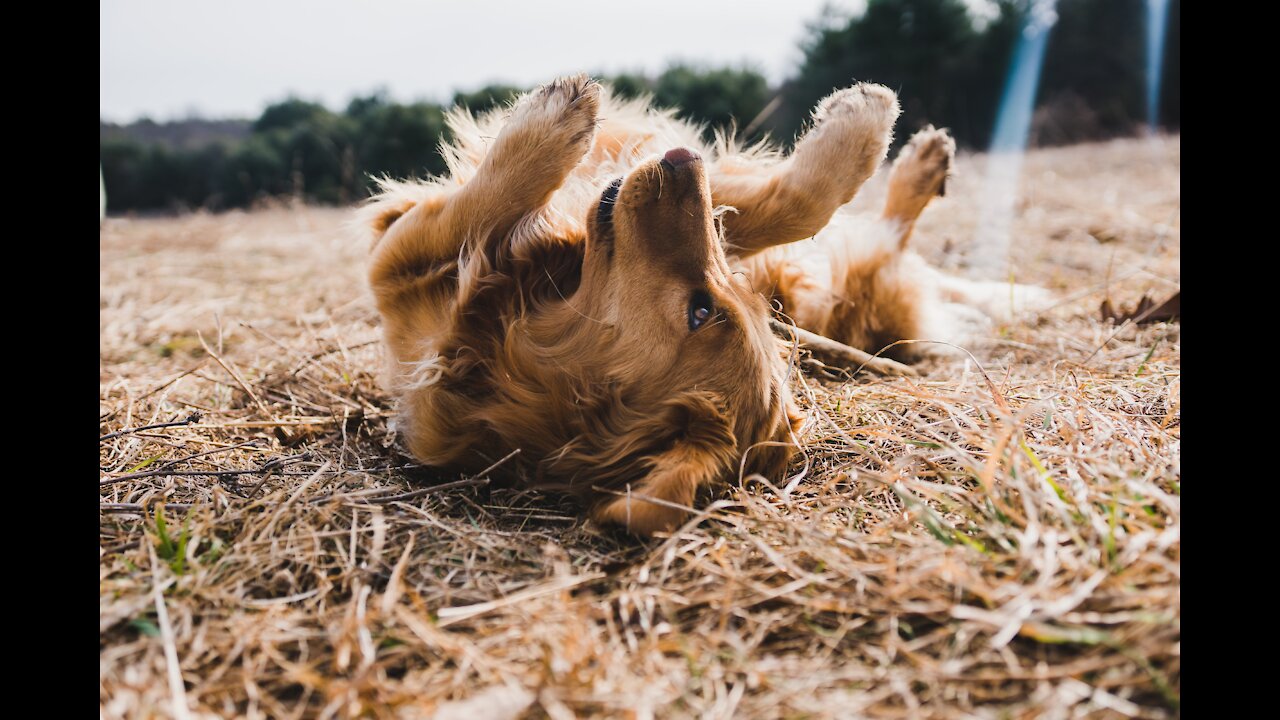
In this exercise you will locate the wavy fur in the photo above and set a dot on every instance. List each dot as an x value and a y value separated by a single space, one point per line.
520 313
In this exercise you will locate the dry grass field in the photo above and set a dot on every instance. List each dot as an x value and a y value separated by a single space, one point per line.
1000 537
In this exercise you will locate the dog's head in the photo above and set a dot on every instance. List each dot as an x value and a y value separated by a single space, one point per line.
689 343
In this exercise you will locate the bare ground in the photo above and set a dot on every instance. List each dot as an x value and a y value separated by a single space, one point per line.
995 539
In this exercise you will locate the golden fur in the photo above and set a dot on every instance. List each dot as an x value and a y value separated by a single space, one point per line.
525 306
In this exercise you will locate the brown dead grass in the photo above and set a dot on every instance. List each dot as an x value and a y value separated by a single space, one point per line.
947 547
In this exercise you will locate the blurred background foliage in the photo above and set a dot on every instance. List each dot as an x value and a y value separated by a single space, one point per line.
947 65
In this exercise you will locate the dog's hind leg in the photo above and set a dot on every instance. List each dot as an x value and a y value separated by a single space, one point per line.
795 198
887 294
548 133
919 174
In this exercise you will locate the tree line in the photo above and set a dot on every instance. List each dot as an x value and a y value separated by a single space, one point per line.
948 67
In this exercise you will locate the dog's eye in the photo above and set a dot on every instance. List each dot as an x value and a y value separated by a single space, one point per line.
604 211
700 310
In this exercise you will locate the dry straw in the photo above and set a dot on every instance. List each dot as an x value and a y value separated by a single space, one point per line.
999 537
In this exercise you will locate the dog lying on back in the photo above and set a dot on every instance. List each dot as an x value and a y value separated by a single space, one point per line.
592 284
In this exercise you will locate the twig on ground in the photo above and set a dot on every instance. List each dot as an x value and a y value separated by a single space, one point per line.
117 508
267 467
190 420
839 354
236 375
480 478
113 508
401 497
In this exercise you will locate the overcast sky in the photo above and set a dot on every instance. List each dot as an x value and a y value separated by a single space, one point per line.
228 58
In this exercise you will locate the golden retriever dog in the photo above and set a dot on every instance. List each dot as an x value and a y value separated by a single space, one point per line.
593 284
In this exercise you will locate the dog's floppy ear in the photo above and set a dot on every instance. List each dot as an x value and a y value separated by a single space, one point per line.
700 455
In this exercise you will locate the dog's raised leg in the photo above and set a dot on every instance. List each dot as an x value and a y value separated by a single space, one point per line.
886 295
919 175
796 198
550 130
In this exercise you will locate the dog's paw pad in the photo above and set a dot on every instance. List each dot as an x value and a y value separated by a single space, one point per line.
569 101
571 92
932 146
576 97
926 160
875 105
564 111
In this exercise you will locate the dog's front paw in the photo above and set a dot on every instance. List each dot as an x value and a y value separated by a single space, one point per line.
564 111
864 114
850 136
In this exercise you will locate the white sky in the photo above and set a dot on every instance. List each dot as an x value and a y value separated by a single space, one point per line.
228 58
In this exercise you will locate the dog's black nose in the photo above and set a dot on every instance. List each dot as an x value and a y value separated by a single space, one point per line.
680 156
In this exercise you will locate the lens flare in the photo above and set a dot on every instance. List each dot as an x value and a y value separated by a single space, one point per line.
1009 141
1157 19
